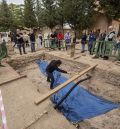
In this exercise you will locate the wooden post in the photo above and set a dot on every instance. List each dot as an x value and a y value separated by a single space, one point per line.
72 50
50 93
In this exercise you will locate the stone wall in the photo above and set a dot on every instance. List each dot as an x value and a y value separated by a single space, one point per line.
22 61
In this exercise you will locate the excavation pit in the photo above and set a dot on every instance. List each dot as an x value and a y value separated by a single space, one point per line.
19 96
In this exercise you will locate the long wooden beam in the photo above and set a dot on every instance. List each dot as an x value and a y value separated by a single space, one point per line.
12 80
76 57
47 95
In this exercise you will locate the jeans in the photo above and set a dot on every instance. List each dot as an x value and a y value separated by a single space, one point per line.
20 46
50 77
32 47
83 47
90 44
67 46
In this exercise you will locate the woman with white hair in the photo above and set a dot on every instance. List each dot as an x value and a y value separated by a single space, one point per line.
110 37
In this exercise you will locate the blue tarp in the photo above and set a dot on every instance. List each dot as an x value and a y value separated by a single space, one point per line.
80 104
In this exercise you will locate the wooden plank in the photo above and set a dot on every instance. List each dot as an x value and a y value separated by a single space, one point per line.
36 120
47 95
17 78
76 57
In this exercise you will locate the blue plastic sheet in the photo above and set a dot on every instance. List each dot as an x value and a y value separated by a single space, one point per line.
80 104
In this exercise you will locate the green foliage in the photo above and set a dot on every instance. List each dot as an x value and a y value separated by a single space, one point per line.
79 13
29 14
39 11
5 16
111 8
60 12
17 15
50 16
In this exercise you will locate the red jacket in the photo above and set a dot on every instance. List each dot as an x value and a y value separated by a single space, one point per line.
60 36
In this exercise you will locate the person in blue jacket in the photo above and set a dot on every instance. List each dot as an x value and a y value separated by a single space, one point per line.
90 42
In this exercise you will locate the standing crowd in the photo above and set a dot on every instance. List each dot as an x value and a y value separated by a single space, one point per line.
24 40
103 41
63 41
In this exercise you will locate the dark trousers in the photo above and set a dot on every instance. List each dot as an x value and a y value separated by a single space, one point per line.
90 45
32 47
67 46
20 47
83 47
41 41
50 77
27 43
59 44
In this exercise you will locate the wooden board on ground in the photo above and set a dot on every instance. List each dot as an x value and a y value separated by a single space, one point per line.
7 73
76 57
9 81
47 95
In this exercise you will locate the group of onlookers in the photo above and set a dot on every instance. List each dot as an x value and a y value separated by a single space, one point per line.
23 40
94 36
89 39
59 40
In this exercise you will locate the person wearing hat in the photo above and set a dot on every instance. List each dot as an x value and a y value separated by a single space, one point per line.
54 65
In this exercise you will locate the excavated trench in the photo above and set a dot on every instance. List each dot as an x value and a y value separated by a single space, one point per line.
103 83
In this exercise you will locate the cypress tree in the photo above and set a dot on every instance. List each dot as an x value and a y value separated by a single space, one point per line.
5 16
29 14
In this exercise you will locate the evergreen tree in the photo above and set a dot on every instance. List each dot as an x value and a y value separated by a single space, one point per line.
60 13
29 14
50 17
17 15
39 11
5 16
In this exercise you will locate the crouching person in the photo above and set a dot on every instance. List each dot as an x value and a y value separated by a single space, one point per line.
54 65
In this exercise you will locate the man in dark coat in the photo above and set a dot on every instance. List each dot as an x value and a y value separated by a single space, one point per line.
54 65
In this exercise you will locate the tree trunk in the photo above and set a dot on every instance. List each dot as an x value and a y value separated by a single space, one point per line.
73 45
63 28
